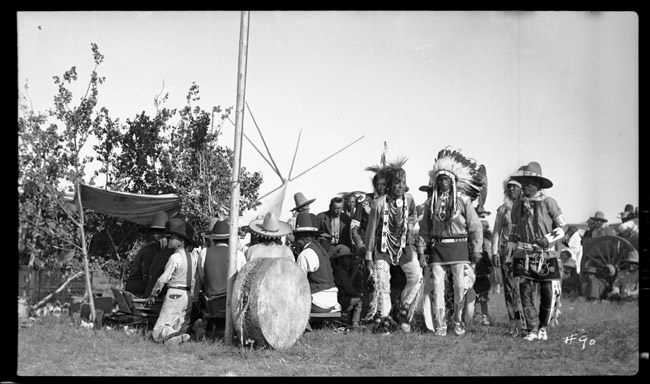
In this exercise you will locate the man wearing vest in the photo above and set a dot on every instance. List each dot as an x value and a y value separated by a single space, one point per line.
315 261
213 273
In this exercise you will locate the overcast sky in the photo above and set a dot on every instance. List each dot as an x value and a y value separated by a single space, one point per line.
559 88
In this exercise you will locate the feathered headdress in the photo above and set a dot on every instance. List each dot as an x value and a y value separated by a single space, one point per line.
389 168
464 172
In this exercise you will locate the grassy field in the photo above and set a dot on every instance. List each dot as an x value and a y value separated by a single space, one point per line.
59 347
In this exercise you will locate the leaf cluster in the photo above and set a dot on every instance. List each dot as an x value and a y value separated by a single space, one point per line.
174 151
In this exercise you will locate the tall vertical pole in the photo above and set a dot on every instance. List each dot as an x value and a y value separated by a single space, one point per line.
234 196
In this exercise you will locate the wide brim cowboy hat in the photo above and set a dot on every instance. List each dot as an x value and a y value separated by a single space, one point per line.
629 210
599 216
220 230
182 229
211 223
533 169
269 226
301 201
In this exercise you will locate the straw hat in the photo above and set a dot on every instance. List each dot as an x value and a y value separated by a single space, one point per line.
591 270
220 230
599 216
533 169
301 201
181 228
269 226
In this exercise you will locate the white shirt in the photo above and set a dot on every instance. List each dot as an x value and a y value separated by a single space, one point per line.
575 246
309 262
175 273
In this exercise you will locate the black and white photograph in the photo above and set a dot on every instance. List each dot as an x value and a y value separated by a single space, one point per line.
303 193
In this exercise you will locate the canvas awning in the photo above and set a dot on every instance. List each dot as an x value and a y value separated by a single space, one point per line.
137 208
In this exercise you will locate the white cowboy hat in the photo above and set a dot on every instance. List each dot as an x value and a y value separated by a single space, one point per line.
269 226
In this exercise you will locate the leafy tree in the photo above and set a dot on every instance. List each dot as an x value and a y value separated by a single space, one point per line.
147 155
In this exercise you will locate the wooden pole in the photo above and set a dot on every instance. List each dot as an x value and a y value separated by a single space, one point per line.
234 197
84 251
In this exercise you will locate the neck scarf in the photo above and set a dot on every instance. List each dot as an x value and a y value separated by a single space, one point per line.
529 206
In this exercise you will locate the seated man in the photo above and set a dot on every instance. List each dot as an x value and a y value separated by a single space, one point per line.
348 296
315 261
269 232
213 271
594 288
570 276
626 285
139 272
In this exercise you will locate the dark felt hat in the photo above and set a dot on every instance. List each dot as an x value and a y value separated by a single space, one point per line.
181 228
533 169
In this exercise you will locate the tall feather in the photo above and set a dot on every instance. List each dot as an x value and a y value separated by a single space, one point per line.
468 178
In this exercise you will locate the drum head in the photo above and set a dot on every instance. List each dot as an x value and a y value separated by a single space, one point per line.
271 303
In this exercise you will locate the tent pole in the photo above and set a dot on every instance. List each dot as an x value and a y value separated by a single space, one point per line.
234 198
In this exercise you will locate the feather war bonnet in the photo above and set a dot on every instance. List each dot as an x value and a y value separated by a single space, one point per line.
463 171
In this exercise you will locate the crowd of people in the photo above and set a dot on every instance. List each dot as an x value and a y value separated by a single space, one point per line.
376 257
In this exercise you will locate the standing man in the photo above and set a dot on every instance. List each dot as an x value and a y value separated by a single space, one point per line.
335 223
179 275
502 229
350 203
359 222
315 261
139 273
537 224
390 241
450 229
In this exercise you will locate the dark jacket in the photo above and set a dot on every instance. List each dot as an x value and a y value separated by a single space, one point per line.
325 225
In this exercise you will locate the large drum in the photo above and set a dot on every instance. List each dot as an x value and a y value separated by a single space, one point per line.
271 301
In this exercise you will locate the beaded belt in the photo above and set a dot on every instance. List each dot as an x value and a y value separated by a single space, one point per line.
532 247
451 240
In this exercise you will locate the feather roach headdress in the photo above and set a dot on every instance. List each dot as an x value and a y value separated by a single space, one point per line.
388 170
465 176
392 169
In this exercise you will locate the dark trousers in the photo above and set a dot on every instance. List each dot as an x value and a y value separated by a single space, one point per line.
510 291
536 320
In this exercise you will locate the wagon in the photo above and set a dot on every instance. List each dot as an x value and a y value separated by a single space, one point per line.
607 254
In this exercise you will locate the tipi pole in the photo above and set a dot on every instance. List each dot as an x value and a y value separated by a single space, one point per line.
277 170
325 159
234 197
